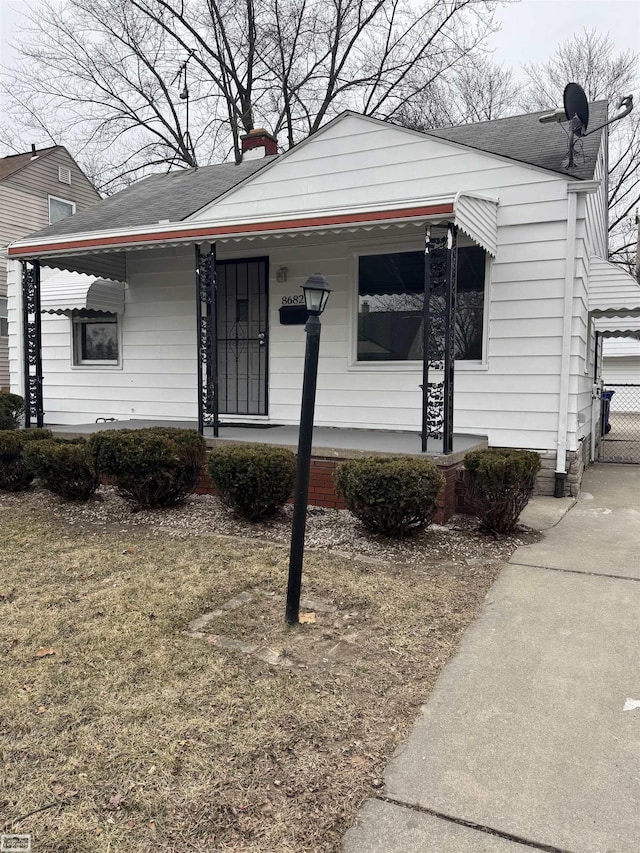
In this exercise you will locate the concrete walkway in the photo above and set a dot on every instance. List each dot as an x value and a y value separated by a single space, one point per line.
529 740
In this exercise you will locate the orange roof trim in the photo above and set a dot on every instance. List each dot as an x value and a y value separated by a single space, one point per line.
211 232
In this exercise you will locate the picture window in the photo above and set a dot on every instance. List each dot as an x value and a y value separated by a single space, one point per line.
390 304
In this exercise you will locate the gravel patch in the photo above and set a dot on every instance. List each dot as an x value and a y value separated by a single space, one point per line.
458 543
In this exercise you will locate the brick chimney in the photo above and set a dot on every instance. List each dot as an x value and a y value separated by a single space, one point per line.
258 143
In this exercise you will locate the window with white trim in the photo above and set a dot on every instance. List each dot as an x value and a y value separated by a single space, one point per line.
96 339
390 302
4 323
60 208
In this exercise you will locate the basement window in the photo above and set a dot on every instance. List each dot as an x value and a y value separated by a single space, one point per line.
96 339
390 302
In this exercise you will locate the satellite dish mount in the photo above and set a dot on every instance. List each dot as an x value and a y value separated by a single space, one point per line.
576 112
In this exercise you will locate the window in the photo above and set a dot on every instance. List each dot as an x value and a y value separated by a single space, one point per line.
4 326
390 301
95 338
60 208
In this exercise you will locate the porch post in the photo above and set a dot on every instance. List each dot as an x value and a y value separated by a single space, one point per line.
207 337
451 280
438 330
425 338
32 344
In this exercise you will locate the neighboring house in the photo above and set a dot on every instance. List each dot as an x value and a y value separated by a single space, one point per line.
355 202
36 189
621 368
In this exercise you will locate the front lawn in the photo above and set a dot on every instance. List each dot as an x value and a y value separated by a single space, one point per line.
118 731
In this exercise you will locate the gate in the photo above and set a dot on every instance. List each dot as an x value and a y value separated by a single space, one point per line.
620 424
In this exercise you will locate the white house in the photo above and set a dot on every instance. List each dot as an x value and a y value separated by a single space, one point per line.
356 202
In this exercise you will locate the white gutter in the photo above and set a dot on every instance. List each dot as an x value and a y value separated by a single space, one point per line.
565 359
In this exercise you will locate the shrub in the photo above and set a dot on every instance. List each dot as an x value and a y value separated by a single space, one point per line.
255 480
15 475
152 467
11 409
62 467
499 485
390 495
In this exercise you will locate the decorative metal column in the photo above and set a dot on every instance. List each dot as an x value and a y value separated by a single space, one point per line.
32 344
206 314
438 349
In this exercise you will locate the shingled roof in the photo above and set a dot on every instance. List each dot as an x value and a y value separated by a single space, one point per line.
14 162
525 139
175 196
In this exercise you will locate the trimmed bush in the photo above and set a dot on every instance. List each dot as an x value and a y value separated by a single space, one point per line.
151 467
62 468
499 485
11 409
15 475
392 495
255 480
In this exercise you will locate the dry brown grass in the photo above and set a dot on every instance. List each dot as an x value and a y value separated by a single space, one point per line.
140 738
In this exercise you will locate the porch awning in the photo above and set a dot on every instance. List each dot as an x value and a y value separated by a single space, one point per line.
618 327
612 293
104 254
63 292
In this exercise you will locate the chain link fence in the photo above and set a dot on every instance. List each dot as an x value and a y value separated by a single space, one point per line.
620 424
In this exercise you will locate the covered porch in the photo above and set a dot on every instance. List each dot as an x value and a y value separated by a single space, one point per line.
206 261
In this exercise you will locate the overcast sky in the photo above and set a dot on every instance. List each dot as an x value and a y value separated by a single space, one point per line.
531 29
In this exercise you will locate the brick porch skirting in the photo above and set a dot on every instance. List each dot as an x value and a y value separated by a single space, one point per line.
322 490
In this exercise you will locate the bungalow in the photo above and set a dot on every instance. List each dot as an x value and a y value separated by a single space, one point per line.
178 300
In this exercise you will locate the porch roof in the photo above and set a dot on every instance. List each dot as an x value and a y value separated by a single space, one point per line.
104 253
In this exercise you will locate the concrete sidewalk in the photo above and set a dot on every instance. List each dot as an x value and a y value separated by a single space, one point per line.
525 743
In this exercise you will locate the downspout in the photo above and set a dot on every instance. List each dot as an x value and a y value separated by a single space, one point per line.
573 189
565 358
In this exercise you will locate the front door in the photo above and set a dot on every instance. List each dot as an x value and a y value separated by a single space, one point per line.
242 309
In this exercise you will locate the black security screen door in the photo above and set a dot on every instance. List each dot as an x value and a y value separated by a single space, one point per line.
242 308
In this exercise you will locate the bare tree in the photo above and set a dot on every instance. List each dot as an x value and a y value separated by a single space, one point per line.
591 60
476 90
100 75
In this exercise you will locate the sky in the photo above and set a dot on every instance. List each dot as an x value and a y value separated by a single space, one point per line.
531 29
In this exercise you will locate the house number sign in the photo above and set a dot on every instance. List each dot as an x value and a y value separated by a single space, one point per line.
294 299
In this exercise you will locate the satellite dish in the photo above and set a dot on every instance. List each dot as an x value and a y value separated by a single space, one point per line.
576 106
576 112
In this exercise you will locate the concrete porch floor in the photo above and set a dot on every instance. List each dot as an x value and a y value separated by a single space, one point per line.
327 441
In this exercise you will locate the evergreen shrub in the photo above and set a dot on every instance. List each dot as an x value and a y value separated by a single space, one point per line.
151 467
392 495
255 480
62 468
499 483
15 475
11 409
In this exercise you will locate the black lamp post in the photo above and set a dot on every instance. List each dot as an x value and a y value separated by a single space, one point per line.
316 293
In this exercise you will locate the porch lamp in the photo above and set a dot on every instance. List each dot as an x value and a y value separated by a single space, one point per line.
316 293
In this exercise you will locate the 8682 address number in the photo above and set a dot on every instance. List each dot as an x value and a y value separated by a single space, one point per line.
295 299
